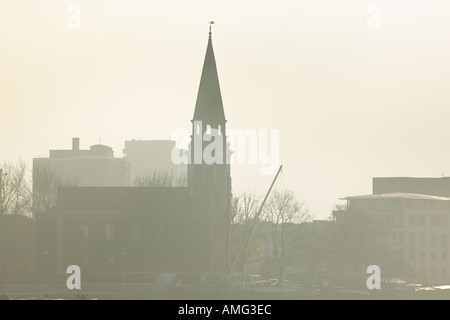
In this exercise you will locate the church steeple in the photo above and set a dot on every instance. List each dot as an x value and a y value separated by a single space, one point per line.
209 107
209 148
209 178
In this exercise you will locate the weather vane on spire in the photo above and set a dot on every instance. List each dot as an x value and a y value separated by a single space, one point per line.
210 24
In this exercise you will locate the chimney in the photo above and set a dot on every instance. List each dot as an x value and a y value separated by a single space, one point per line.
75 144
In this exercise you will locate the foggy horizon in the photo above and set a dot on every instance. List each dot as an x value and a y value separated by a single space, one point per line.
350 103
226 151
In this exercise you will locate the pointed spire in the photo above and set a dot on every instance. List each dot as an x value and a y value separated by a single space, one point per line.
210 25
209 105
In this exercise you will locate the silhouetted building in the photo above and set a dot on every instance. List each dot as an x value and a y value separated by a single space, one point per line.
136 233
111 230
429 186
148 156
17 249
94 167
410 230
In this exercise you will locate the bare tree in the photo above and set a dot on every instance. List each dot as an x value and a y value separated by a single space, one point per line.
45 187
285 216
46 181
15 190
162 178
361 239
246 231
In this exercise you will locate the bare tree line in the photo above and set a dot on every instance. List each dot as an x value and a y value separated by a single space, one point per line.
15 189
161 178
25 193
273 233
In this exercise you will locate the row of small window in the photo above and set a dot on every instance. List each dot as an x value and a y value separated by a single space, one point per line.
443 240
408 203
135 231
423 255
209 130
433 272
112 259
417 220
421 220
109 231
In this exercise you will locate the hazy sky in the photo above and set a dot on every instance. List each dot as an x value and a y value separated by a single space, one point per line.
350 103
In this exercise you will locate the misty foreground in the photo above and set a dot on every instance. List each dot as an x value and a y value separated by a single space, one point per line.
181 292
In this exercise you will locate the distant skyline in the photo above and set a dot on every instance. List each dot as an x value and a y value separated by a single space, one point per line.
350 103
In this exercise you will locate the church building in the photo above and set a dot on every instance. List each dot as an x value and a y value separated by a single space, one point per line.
136 233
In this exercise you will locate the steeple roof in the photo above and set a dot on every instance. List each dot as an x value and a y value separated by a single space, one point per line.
209 105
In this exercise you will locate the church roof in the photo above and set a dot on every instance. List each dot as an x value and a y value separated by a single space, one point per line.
396 195
126 200
209 105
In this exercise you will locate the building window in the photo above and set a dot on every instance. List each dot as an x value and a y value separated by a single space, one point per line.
412 254
84 232
434 240
433 255
400 239
210 174
423 255
423 239
411 272
417 219
412 240
423 272
398 254
444 240
439 221
212 204
109 232
135 232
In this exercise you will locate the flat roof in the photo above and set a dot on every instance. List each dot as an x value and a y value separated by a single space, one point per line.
396 195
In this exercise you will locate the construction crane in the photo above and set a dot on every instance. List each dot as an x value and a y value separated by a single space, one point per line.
268 192
258 213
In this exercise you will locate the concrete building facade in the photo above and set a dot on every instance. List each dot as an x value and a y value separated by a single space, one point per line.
96 166
149 156
413 228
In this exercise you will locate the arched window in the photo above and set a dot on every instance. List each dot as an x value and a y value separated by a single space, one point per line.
135 232
197 129
219 128
210 174
208 129
109 232
84 232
